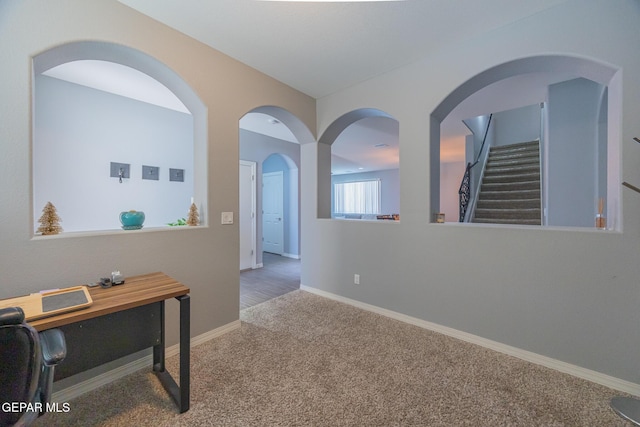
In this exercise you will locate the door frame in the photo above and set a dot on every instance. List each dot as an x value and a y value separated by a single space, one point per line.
253 217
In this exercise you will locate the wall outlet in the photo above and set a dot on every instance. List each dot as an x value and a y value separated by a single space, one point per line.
356 279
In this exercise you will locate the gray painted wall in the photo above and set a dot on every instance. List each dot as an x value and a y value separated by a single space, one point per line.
573 162
517 125
568 294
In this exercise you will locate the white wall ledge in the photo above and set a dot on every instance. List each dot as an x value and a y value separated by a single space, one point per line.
76 234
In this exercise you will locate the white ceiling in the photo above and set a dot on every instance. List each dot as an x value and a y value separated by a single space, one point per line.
321 48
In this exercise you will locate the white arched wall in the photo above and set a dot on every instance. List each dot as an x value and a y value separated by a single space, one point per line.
599 72
146 64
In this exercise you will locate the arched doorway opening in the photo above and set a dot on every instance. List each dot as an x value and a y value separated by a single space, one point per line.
269 143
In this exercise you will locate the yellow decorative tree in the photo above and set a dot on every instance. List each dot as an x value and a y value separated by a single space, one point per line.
49 221
193 218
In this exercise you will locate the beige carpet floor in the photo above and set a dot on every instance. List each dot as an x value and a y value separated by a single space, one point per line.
304 360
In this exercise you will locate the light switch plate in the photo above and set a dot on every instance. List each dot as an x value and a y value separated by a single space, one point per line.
227 217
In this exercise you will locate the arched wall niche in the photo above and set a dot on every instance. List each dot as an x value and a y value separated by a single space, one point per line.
325 142
599 72
129 57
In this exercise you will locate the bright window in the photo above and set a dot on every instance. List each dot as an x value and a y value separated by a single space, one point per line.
357 197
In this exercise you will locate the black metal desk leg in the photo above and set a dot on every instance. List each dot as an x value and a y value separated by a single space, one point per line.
180 394
185 351
158 349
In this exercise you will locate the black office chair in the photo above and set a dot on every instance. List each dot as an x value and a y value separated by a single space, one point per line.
27 362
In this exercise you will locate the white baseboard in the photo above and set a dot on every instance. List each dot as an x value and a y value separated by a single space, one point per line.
558 365
258 265
83 387
291 256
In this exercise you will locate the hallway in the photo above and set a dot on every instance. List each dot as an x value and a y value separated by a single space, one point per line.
278 276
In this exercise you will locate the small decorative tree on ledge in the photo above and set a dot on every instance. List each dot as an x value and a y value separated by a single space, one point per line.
193 218
49 221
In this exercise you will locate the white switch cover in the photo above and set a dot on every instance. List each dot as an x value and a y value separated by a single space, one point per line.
227 217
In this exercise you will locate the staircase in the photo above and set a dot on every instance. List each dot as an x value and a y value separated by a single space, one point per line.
510 190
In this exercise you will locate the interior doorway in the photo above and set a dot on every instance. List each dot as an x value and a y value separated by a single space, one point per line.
271 137
273 212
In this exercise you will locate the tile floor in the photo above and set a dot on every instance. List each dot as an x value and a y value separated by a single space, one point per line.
278 276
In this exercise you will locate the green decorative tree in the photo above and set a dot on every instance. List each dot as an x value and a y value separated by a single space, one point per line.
193 218
49 221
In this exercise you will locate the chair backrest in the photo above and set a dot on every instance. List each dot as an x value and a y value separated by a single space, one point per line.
20 363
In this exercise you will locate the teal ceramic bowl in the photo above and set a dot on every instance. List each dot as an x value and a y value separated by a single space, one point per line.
131 220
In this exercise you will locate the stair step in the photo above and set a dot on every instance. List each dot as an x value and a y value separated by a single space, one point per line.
509 221
510 195
518 146
526 155
508 204
508 213
511 178
515 149
513 161
512 170
514 152
497 185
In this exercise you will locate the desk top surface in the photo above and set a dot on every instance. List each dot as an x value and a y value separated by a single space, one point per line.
135 292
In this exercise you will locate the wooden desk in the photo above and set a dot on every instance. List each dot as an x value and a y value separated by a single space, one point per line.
124 319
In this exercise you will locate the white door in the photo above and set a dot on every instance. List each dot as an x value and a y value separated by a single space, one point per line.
272 212
247 215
